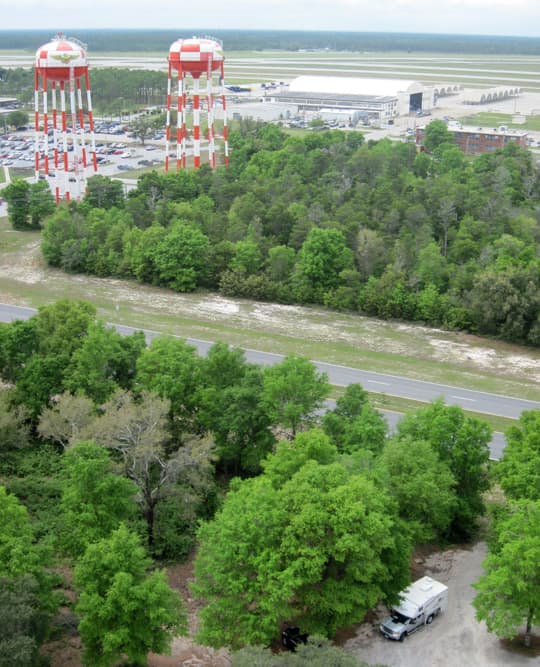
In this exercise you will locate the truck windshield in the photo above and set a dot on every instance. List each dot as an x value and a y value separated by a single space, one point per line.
399 618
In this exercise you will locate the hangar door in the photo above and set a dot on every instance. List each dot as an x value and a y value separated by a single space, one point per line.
415 102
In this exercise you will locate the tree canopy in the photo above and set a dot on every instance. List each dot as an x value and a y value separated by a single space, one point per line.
325 218
509 592
299 547
124 610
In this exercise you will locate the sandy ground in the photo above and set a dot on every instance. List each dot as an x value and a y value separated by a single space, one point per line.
455 638
472 354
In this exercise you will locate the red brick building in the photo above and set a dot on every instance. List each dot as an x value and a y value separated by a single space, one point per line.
479 139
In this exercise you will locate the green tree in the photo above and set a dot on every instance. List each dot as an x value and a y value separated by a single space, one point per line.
171 368
247 257
232 410
94 500
431 267
422 485
320 550
20 554
17 195
62 326
144 125
293 391
518 471
23 625
290 456
18 342
104 192
180 257
463 444
40 379
354 424
322 258
17 118
436 134
14 429
105 361
366 432
41 203
280 263
60 229
124 610
509 591
28 203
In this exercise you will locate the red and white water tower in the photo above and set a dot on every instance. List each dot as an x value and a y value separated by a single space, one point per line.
62 134
192 60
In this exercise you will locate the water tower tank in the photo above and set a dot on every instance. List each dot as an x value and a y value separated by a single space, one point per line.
195 60
195 55
58 58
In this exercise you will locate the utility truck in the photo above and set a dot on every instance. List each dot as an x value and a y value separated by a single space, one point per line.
419 604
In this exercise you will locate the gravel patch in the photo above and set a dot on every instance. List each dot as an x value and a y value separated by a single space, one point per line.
455 638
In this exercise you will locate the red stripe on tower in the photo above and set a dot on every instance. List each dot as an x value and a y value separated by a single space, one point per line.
193 59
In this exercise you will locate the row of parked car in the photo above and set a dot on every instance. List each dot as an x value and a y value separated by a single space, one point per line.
14 148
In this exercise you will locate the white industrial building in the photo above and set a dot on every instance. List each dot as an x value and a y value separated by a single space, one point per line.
379 99
488 95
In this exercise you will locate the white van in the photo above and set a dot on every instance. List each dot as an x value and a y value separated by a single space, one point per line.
420 603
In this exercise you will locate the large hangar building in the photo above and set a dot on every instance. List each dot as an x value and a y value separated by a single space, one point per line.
378 99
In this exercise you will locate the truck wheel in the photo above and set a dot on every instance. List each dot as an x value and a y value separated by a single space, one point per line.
402 637
429 619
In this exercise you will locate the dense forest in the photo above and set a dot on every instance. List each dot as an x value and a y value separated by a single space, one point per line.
288 40
117 456
325 218
112 452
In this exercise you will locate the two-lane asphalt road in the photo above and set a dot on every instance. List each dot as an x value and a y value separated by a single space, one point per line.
392 385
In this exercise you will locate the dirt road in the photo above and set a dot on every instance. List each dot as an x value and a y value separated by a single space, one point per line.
455 638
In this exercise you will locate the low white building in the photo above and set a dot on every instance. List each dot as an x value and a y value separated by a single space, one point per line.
381 99
488 95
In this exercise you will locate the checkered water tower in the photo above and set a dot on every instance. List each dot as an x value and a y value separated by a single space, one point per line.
193 62
64 142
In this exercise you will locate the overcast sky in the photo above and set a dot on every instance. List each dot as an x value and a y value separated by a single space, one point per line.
482 17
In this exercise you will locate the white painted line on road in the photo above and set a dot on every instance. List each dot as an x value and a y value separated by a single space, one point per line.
463 398
386 384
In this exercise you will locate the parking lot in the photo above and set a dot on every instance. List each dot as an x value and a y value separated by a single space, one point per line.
116 151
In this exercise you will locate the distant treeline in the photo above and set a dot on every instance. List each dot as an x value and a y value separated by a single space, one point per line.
249 40
114 90
327 219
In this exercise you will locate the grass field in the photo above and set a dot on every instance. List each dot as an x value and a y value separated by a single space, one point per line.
342 338
477 71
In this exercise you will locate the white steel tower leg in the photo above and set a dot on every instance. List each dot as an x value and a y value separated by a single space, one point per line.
37 134
54 123
63 119
55 141
210 102
90 119
73 113
180 119
224 107
81 123
184 119
45 126
196 124
168 118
